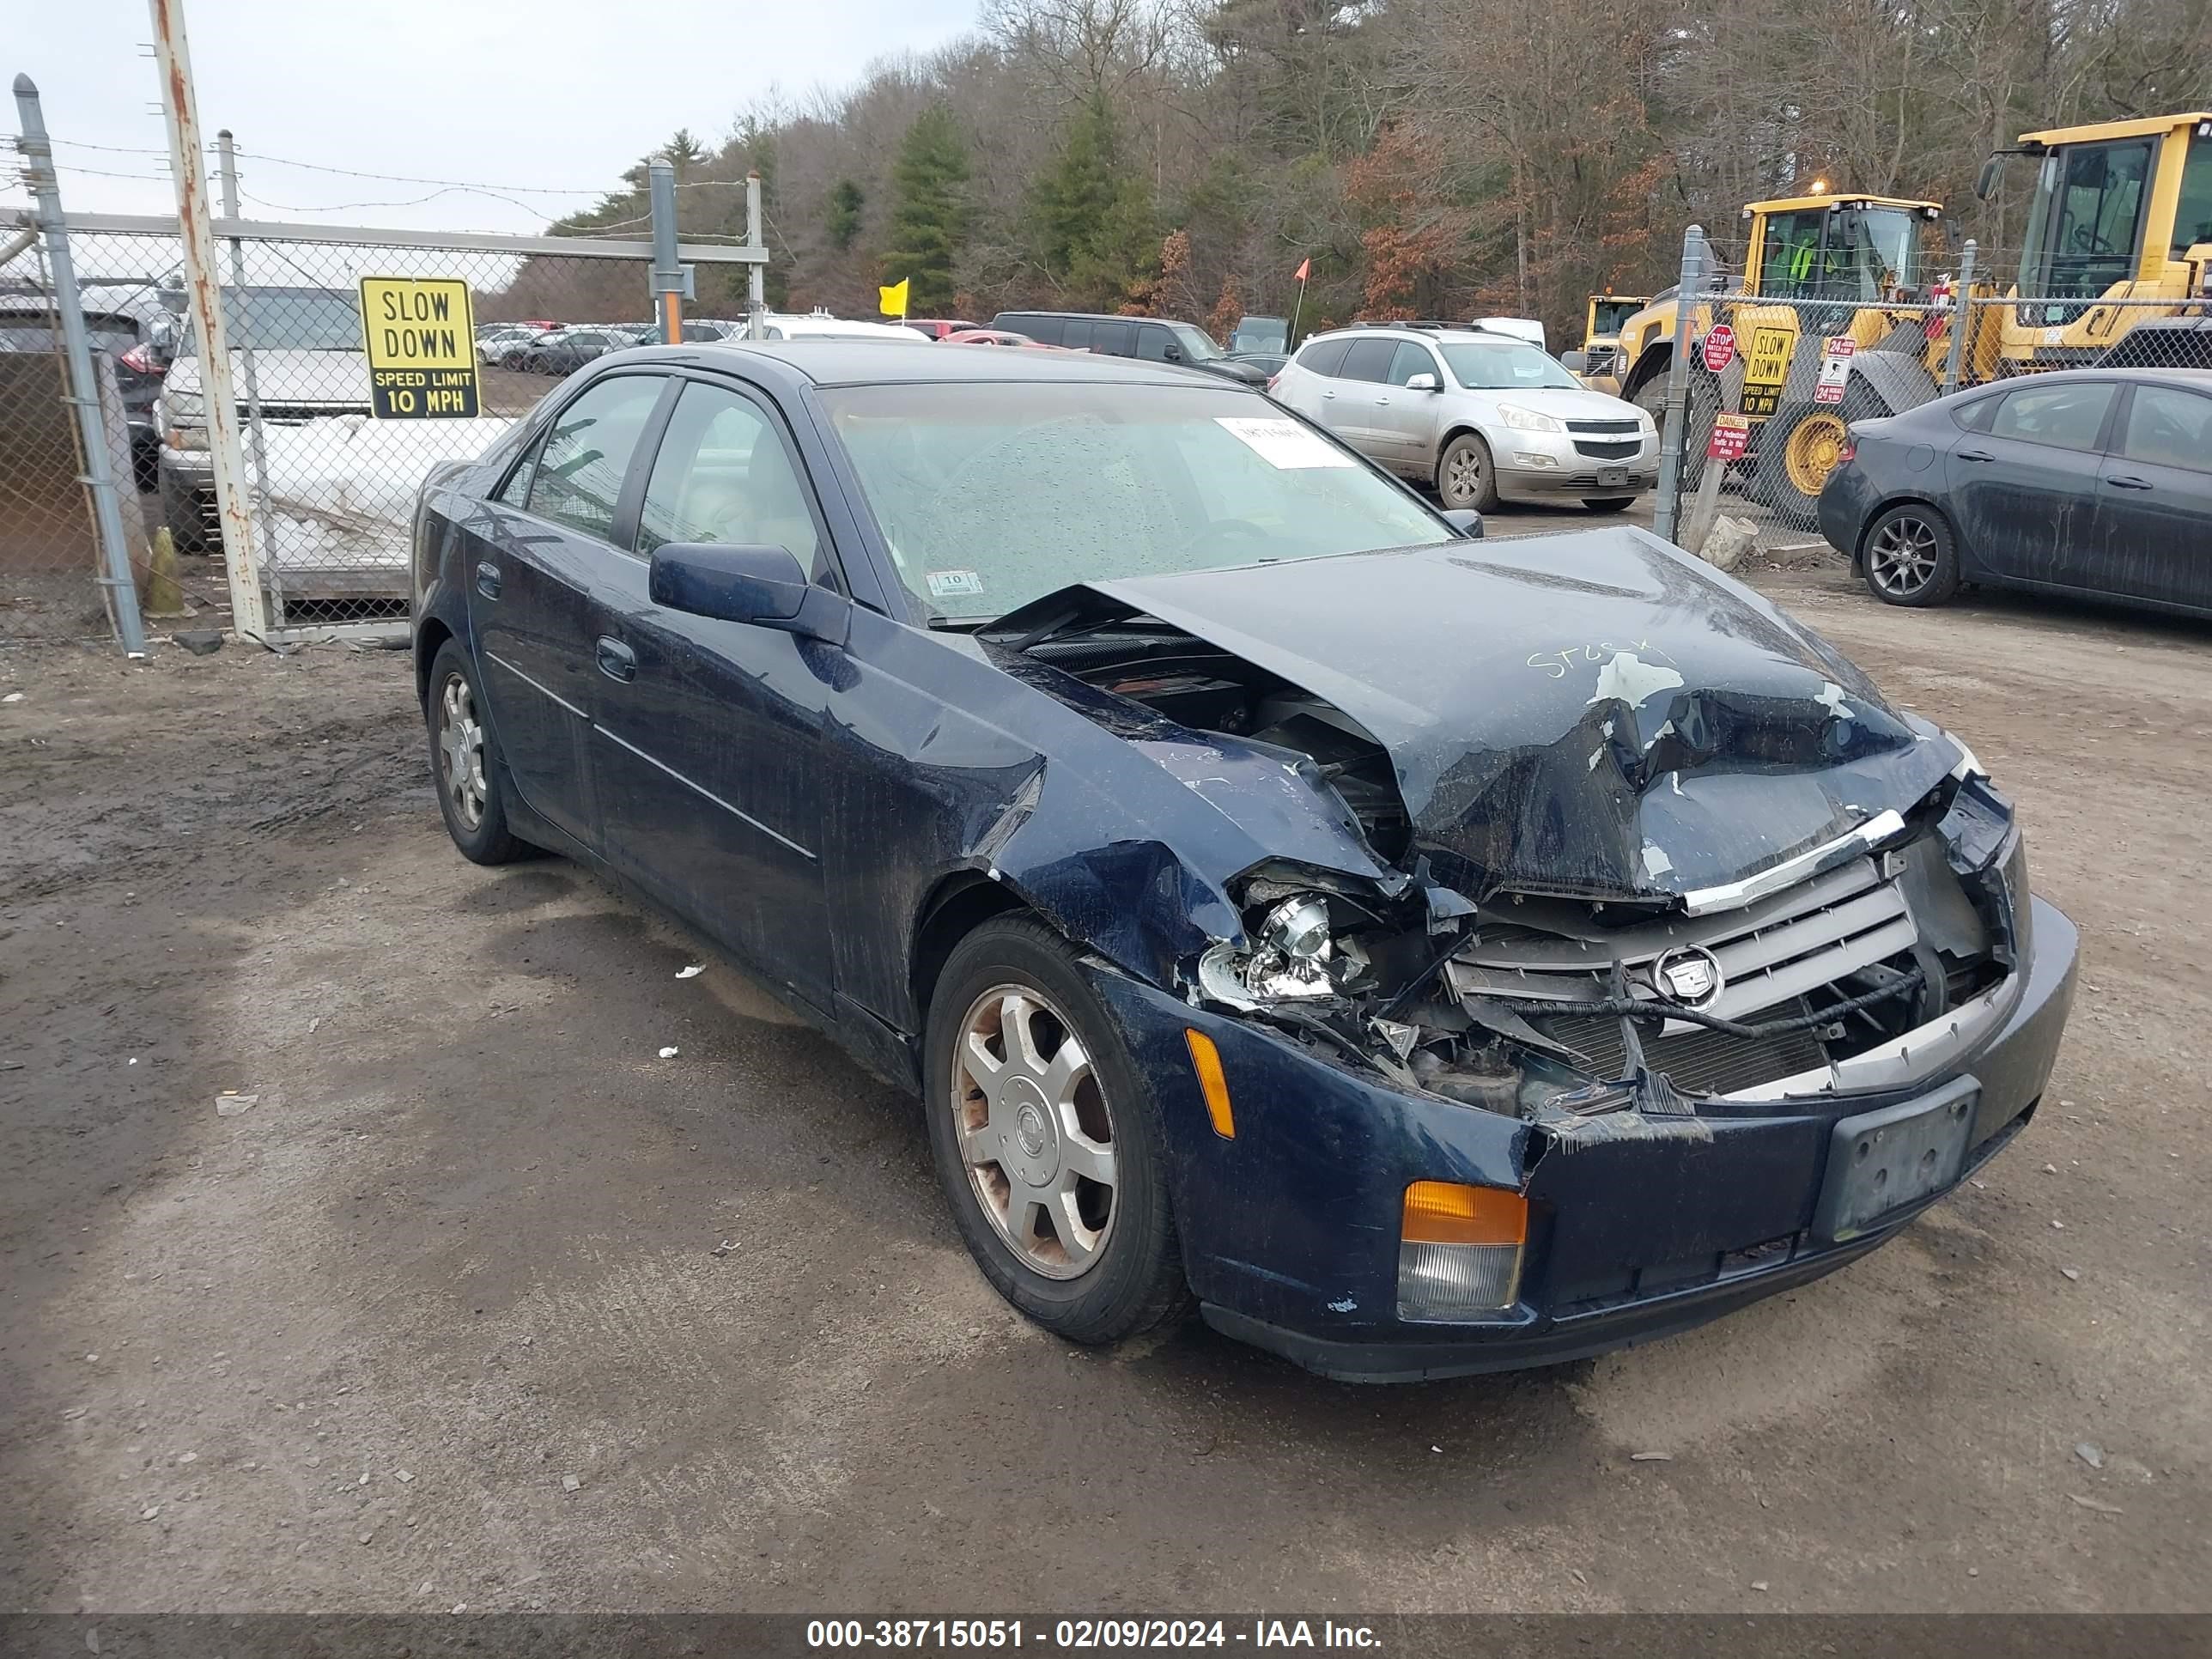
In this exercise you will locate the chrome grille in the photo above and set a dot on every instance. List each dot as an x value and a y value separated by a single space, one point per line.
1595 426
1771 952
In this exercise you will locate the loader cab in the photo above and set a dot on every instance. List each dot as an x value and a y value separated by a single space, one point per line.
2115 202
2121 209
1853 250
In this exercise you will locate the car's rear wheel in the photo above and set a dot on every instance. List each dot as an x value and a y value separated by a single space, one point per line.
1047 1138
464 760
1910 557
1465 475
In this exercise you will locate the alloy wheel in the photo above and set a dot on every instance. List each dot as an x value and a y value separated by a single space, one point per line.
460 749
1463 476
1902 556
1031 1118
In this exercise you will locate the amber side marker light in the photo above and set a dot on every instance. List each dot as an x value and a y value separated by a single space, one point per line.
1205 1061
1459 1254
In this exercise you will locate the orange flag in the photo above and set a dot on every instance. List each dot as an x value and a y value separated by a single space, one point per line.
1305 268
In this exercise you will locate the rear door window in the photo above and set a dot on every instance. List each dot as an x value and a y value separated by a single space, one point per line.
1324 356
1115 339
2169 426
2066 416
1369 360
1075 333
580 470
1045 331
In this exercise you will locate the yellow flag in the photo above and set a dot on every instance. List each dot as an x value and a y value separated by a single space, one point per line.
894 297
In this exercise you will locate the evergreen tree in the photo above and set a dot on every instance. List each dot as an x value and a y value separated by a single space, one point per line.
841 223
929 213
1091 215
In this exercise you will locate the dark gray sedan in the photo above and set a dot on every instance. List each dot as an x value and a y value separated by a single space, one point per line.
2092 482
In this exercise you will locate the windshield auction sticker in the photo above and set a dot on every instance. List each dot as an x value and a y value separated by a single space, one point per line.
1283 443
421 343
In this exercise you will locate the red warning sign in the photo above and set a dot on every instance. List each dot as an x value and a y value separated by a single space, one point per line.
1731 437
1720 347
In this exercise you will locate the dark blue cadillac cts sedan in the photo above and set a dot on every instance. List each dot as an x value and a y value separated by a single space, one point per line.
1424 957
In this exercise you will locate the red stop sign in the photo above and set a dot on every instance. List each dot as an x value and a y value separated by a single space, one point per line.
1720 347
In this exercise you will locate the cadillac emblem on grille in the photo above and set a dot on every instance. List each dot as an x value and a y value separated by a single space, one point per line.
1689 976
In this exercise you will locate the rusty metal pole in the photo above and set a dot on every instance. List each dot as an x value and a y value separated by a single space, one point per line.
83 393
667 269
204 295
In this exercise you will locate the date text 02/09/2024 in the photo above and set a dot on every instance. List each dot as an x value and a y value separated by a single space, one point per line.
1084 1634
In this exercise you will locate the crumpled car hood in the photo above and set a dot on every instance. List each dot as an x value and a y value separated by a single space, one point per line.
1594 715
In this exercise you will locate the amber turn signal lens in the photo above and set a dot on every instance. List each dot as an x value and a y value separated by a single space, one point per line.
1445 1212
1205 1061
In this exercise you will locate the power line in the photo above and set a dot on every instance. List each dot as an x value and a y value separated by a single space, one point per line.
404 178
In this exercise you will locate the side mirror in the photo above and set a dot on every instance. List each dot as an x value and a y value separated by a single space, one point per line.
1986 180
762 586
1466 520
1574 361
1172 352
1422 383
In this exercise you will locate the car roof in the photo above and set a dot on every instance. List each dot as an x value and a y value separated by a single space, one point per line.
871 362
1096 316
1435 335
2200 378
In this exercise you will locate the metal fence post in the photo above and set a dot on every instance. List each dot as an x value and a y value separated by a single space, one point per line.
756 273
1669 508
667 269
1962 316
99 476
203 293
257 447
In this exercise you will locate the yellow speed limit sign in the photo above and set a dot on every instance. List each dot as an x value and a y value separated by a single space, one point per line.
421 342
1766 367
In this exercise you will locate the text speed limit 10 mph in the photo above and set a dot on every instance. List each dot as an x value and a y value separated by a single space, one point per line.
421 338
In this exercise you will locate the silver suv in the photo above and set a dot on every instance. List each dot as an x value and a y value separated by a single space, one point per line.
1481 416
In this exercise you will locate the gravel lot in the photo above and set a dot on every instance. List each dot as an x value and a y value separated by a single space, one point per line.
482 1302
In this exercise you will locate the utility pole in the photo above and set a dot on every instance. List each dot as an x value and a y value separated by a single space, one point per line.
204 295
83 386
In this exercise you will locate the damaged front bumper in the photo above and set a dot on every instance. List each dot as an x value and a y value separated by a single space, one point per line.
1639 1225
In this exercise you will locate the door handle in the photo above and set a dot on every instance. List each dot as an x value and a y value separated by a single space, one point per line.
2129 481
1381 403
488 580
1328 394
616 661
1976 455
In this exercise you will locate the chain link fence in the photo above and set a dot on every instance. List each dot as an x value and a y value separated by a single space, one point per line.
1769 388
329 469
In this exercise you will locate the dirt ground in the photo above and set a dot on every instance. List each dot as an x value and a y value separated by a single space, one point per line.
480 1301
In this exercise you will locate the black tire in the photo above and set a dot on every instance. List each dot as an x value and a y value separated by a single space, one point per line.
484 839
1910 557
1136 1280
1790 446
1608 503
1466 477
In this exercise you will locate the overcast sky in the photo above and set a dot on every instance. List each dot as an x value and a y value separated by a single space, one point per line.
503 93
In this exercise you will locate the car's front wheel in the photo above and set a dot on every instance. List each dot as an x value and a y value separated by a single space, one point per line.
1910 557
1047 1138
464 760
1465 475
1608 503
